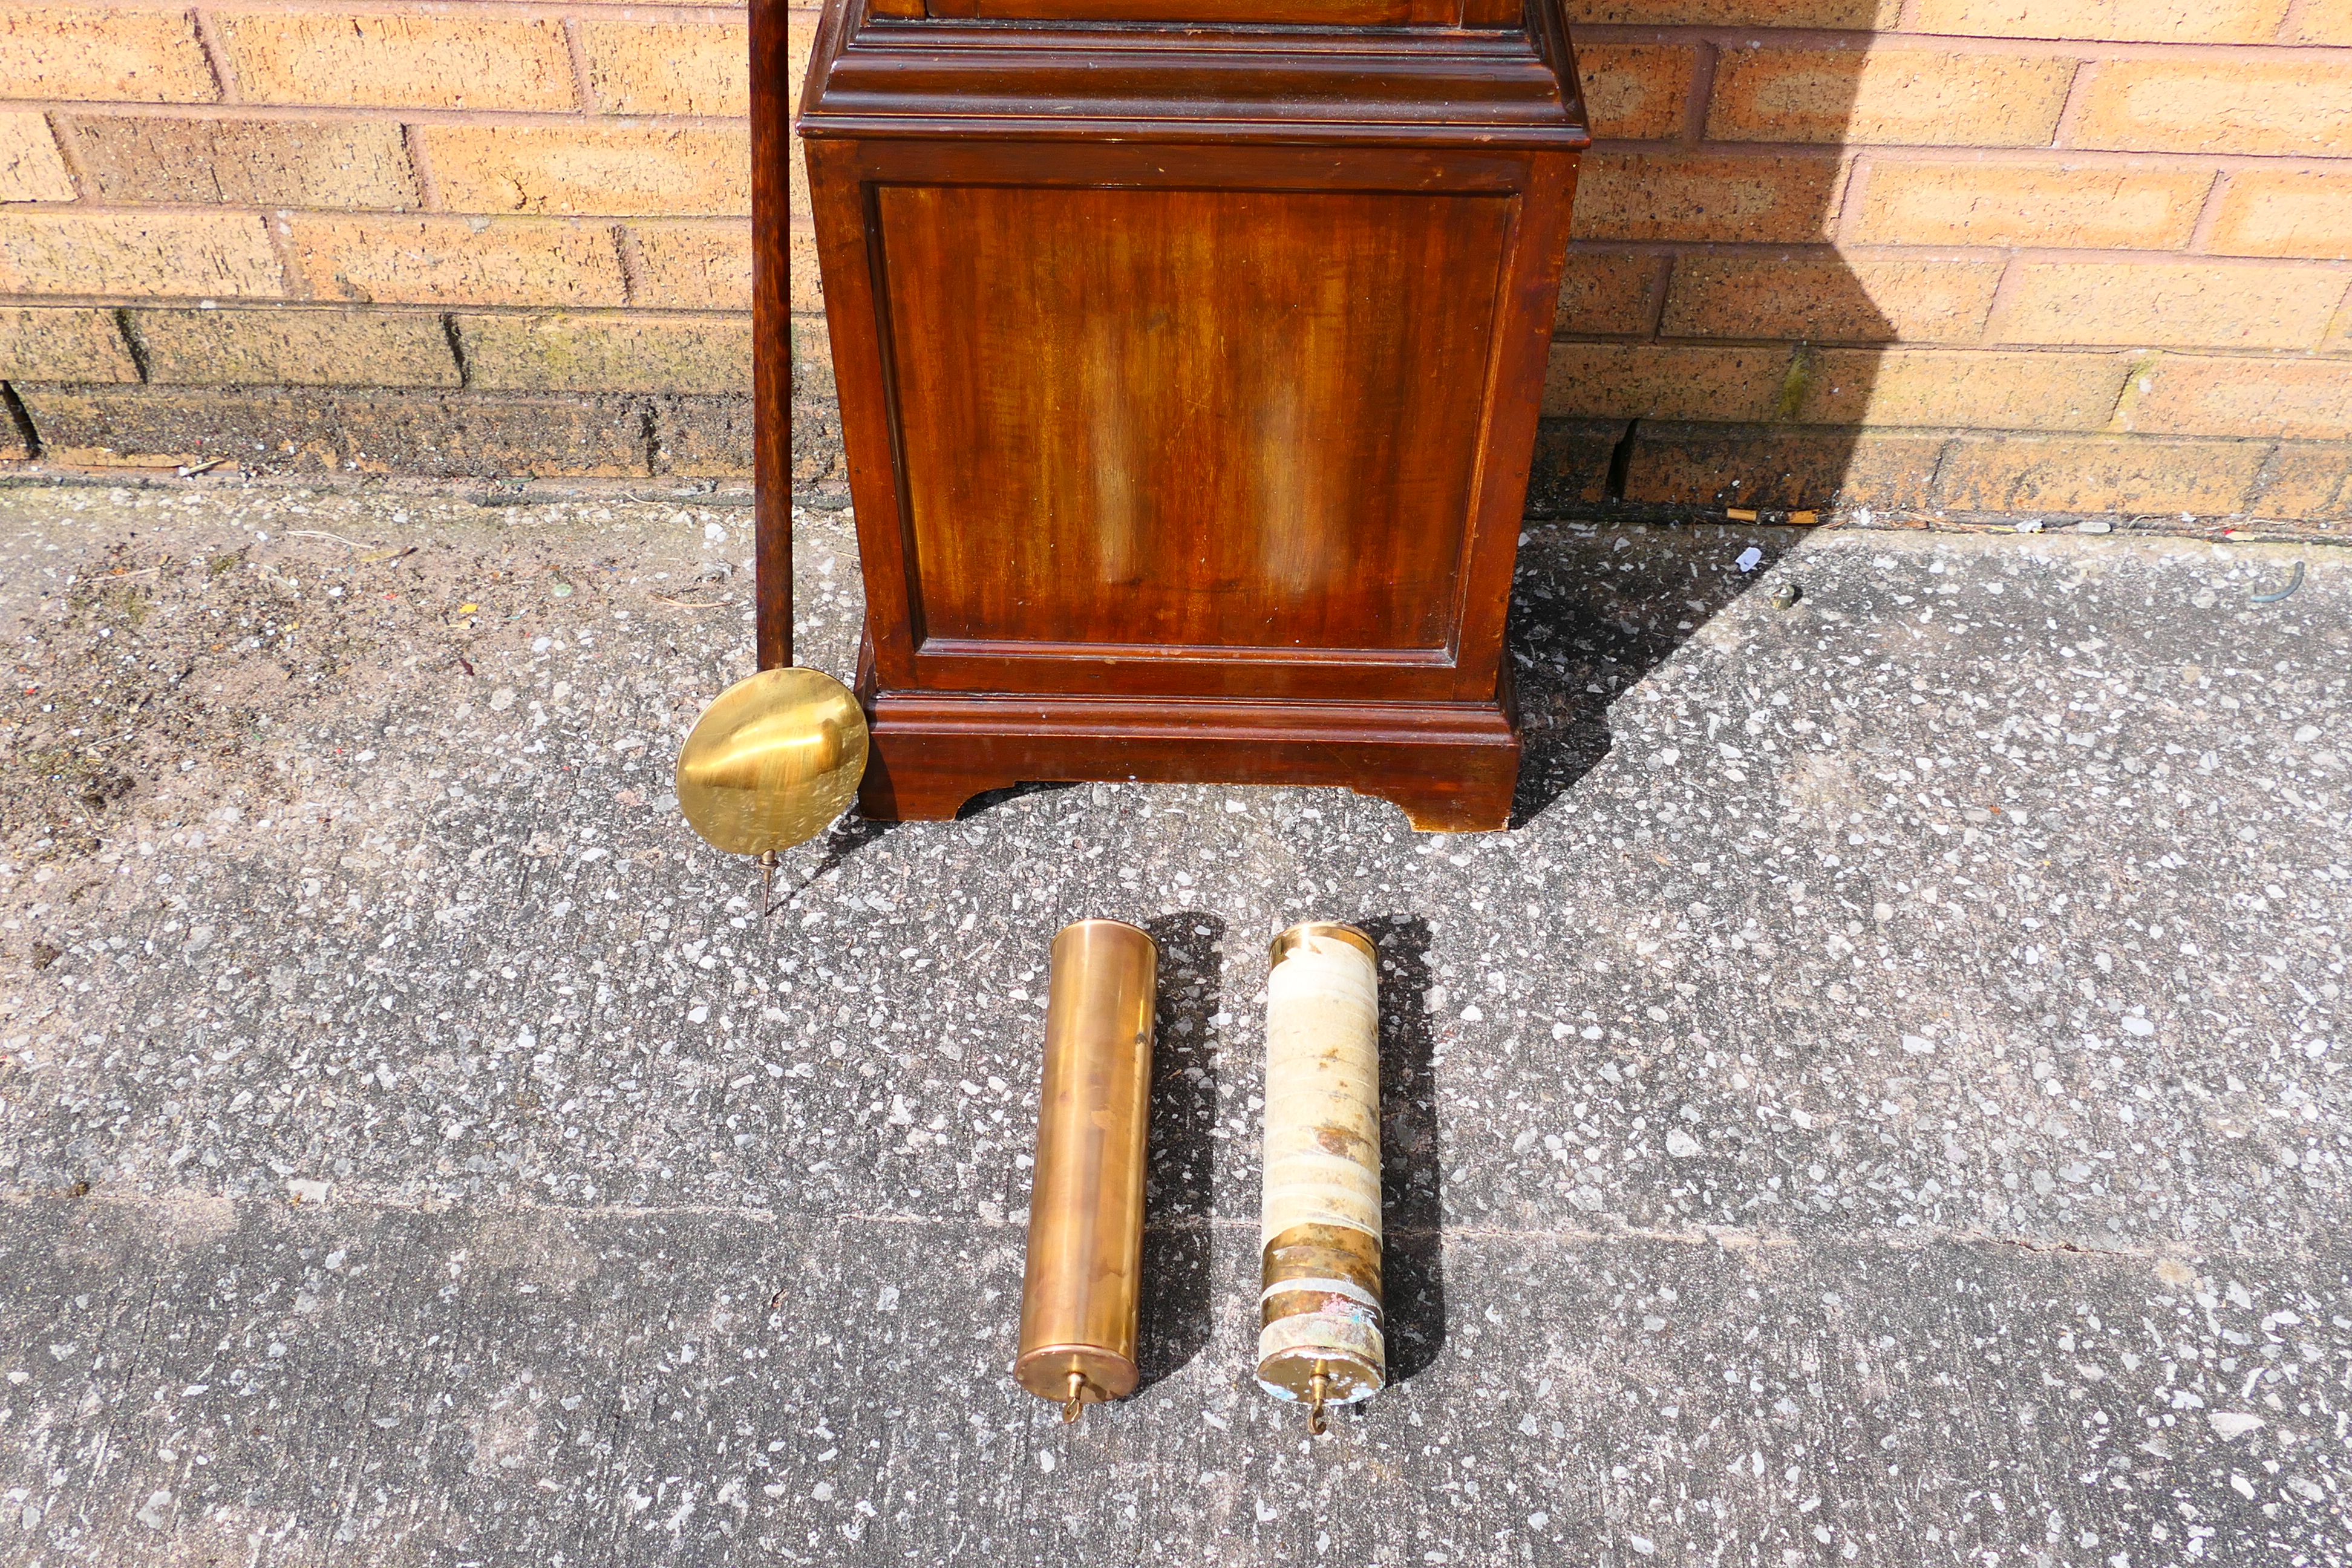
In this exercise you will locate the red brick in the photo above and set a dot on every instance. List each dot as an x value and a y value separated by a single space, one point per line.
148 253
436 434
1824 297
702 266
2245 104
1603 293
2305 481
1572 463
619 354
1649 381
106 53
2094 209
2109 21
458 260
2171 304
2323 21
671 67
246 162
1778 466
1878 15
404 60
2196 394
1764 198
714 435
1888 96
585 168
2098 474
1636 92
2285 212
76 343
808 279
297 347
1963 388
31 169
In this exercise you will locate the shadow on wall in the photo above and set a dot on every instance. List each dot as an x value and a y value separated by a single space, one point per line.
1713 349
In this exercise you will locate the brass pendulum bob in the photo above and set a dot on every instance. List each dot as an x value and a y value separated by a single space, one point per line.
773 761
777 756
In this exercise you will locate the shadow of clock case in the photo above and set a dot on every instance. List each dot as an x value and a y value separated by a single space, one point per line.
1189 354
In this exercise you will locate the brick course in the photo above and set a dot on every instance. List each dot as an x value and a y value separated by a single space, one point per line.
666 68
2285 212
63 344
2178 304
2300 106
458 260
104 54
608 353
133 160
1986 255
142 254
2114 21
1898 98
625 173
400 60
1636 92
2098 208
294 348
1828 298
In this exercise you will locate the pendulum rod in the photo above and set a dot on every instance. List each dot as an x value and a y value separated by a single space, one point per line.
771 340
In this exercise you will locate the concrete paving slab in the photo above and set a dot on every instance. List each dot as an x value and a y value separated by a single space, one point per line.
1881 1105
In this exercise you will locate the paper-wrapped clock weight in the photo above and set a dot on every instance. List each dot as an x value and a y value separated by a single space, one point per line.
1320 1338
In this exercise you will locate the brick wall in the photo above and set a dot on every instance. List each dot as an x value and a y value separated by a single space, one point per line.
478 239
2064 256
1890 253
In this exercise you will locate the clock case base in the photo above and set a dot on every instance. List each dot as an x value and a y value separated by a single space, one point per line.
952 153
1451 766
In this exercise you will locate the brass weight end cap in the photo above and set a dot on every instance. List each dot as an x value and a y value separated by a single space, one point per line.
1347 1379
773 761
1294 938
1046 1371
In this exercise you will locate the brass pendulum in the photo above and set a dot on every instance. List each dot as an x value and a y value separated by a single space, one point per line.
777 756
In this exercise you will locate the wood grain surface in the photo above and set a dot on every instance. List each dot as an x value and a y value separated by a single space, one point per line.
1188 380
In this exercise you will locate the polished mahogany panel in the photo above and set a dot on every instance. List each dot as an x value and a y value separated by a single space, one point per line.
1209 418
1189 354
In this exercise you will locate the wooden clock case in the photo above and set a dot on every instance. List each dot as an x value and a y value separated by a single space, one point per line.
1189 354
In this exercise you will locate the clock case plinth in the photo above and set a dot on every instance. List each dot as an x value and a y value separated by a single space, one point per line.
1189 365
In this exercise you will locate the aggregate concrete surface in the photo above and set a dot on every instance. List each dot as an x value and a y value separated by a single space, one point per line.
1882 1105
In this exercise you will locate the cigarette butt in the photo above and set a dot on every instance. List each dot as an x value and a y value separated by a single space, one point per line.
1804 518
1740 514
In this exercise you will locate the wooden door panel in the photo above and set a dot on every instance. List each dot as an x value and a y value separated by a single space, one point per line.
1227 421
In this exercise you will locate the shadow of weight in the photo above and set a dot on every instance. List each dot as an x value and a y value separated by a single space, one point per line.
1180 1168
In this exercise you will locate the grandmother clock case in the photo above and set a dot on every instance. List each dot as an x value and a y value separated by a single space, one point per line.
1189 354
